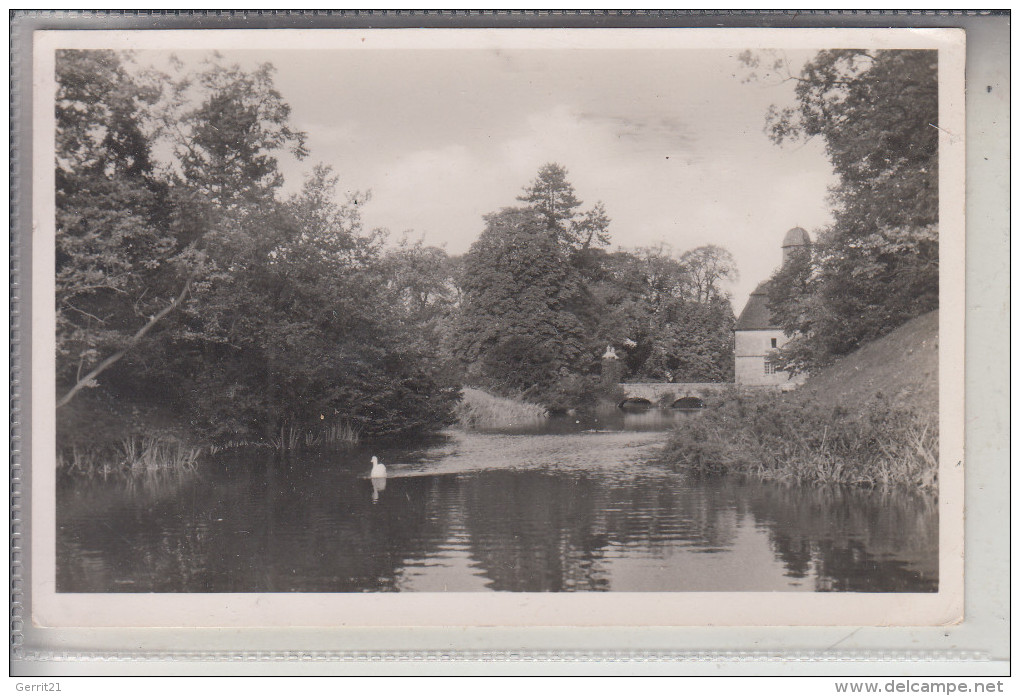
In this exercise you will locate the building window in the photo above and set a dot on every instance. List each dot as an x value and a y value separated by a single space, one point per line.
770 369
774 343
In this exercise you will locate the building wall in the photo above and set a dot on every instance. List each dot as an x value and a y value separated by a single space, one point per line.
750 349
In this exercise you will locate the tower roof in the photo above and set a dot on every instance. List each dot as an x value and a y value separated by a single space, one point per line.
756 315
796 237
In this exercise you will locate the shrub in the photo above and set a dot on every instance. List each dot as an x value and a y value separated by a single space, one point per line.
772 437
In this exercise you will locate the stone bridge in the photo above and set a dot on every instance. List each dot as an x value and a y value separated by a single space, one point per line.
691 393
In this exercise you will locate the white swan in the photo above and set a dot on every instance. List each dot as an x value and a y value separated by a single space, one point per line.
378 470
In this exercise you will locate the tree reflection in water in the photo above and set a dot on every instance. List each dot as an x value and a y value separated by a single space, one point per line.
316 526
851 540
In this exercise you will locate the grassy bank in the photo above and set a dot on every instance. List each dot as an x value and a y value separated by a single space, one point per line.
873 444
871 419
479 409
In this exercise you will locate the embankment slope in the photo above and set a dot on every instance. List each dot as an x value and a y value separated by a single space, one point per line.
869 419
902 365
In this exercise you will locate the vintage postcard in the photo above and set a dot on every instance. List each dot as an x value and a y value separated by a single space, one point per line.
649 327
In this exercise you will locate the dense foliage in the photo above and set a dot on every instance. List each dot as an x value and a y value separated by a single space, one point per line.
519 330
877 265
669 317
116 258
542 299
190 288
195 287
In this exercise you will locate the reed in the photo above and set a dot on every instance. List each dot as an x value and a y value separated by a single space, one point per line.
132 454
876 444
342 434
217 447
479 409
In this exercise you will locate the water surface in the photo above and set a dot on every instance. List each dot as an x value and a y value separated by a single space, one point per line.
566 505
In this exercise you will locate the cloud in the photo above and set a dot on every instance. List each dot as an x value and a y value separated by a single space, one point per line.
659 179
671 142
662 133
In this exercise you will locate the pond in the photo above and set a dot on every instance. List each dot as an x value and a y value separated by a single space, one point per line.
568 504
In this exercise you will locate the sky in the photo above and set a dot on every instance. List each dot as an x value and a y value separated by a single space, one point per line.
671 141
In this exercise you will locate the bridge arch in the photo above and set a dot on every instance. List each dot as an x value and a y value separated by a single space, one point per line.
689 402
635 402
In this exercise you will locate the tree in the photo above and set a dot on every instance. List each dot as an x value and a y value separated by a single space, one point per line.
707 267
877 265
592 228
116 260
283 320
617 286
422 283
689 320
792 293
794 305
552 196
368 358
652 308
335 228
420 280
518 331
227 126
877 112
693 342
124 230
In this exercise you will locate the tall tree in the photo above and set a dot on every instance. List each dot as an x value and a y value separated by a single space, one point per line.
283 313
877 265
518 330
227 127
591 229
420 279
115 256
791 289
693 342
652 308
707 268
222 129
343 345
552 196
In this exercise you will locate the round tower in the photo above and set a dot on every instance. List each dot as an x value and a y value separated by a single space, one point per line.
795 239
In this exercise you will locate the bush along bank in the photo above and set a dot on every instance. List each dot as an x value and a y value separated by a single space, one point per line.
782 437
479 409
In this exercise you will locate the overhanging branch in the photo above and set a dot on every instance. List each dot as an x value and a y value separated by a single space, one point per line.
132 342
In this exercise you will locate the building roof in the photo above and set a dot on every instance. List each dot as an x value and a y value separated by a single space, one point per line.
796 237
756 315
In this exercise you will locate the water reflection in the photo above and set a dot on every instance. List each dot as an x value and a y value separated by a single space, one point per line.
851 540
572 509
378 486
603 420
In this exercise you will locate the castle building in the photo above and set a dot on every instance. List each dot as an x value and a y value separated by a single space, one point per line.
755 334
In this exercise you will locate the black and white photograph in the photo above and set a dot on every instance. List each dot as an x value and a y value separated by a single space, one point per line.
471 314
